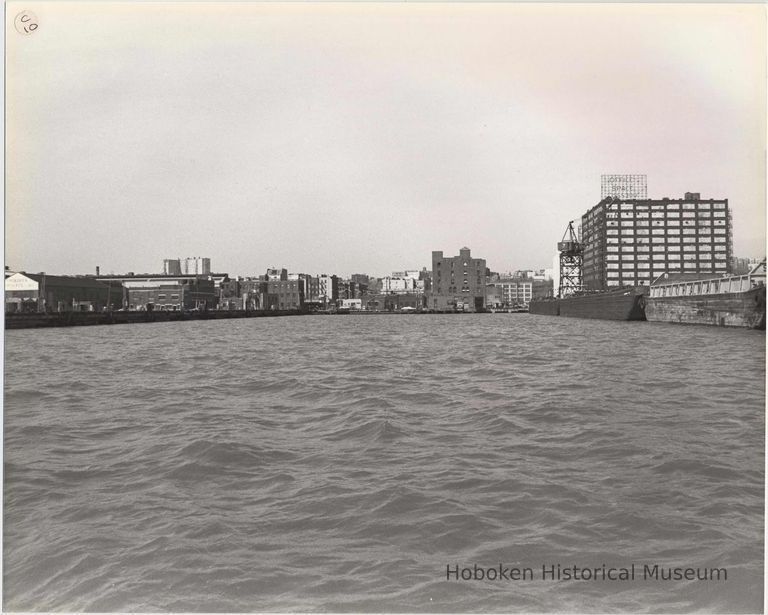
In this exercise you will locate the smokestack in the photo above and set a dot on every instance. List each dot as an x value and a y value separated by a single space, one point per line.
97 270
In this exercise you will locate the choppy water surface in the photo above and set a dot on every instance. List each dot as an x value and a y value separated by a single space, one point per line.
342 463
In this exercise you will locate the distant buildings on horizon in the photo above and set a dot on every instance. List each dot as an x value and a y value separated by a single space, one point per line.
189 284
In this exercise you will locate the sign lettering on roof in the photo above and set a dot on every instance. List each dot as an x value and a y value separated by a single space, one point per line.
18 282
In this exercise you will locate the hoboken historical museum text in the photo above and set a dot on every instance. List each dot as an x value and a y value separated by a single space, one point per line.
572 572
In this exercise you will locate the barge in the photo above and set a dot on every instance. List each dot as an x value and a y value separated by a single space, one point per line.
729 301
546 307
625 303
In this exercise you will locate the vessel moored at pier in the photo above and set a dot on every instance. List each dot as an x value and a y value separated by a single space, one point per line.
624 303
728 301
547 307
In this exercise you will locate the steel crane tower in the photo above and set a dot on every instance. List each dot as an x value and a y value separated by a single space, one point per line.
571 261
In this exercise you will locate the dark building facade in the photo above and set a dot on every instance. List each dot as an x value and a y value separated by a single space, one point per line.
458 282
390 303
40 292
284 295
185 294
169 292
631 242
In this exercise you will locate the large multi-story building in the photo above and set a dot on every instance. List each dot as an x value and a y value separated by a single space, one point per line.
632 241
196 265
172 266
458 282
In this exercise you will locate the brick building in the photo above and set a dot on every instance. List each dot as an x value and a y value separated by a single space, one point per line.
458 282
171 292
186 293
284 295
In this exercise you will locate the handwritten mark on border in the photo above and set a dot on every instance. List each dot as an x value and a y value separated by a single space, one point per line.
26 22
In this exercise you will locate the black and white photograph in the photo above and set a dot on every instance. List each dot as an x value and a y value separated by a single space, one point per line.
384 307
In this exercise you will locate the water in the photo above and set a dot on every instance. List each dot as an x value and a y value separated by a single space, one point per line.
343 463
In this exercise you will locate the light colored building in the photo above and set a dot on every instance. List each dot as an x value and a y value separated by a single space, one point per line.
400 282
196 265
517 291
408 273
327 288
556 275
399 285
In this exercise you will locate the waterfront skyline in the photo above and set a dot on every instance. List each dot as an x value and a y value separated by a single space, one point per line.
349 139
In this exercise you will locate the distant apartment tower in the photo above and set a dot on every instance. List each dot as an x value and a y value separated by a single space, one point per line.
172 266
632 241
196 265
458 282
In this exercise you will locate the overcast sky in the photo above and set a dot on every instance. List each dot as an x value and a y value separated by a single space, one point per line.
357 138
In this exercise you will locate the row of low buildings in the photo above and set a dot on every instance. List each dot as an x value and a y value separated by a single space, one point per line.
455 283
40 292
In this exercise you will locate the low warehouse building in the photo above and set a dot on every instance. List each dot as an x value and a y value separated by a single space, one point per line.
40 292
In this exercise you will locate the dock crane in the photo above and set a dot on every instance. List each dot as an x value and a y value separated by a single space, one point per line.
571 262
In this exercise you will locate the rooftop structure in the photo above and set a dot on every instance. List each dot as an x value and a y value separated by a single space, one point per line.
624 186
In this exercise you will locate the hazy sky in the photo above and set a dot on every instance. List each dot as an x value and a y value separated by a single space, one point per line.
346 138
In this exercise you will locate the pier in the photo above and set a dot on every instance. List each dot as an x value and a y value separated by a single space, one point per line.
75 319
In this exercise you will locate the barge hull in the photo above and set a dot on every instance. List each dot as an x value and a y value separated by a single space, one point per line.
627 304
742 309
546 307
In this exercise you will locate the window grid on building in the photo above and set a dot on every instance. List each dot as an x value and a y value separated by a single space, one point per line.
626 232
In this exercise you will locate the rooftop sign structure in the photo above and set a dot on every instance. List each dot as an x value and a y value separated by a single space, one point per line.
624 186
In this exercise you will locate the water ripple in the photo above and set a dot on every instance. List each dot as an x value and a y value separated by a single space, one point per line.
341 464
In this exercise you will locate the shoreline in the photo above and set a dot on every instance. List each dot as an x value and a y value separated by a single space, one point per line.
79 319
